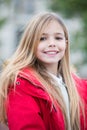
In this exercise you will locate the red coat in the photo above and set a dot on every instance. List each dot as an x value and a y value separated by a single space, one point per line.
29 106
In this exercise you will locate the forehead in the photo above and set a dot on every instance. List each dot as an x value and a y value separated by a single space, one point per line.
53 27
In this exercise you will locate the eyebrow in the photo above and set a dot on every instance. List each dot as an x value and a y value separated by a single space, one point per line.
56 33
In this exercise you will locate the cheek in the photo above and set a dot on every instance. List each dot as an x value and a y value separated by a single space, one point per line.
38 51
40 47
63 47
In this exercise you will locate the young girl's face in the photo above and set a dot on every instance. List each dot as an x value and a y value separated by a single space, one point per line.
52 45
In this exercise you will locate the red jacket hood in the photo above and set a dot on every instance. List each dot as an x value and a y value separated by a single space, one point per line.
37 88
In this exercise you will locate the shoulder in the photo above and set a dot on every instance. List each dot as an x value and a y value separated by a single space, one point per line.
80 81
28 87
28 83
81 85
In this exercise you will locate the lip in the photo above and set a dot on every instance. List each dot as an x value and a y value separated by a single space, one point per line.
51 52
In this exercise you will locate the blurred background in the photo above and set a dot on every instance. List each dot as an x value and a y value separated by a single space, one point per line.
14 15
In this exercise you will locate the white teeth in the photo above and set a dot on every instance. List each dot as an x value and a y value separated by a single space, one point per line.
51 52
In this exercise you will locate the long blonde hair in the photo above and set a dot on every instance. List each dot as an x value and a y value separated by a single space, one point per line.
25 56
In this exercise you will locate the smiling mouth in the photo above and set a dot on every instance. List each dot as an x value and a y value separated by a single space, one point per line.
51 52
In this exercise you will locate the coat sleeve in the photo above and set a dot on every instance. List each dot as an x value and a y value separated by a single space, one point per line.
23 112
84 85
82 89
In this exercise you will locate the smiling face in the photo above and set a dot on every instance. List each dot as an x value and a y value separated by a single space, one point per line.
52 45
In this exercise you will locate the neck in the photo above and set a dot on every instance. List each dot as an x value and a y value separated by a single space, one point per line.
52 69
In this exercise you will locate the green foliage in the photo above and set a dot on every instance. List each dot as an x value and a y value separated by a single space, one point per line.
5 1
2 21
69 7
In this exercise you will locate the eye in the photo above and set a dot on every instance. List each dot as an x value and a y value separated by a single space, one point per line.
59 38
43 38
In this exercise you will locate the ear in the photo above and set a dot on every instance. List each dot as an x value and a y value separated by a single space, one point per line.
66 43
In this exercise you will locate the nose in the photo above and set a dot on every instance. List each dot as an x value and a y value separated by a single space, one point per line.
51 42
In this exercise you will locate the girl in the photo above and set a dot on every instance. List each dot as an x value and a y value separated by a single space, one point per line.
37 89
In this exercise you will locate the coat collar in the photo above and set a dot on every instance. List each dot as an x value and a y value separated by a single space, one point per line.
37 89
30 75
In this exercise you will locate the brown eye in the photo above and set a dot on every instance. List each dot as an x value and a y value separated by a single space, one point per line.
58 38
43 38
